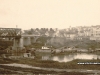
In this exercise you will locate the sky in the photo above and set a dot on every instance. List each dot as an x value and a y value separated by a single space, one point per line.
28 14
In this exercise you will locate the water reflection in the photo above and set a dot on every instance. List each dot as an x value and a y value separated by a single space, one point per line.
66 58
85 56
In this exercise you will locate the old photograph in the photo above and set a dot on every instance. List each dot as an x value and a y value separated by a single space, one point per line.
49 37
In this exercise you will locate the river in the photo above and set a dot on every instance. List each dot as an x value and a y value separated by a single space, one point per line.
70 57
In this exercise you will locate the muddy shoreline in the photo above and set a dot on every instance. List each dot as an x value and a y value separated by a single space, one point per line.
48 67
4 69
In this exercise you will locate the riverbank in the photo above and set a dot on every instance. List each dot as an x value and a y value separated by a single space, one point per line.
70 68
25 71
62 65
54 64
76 66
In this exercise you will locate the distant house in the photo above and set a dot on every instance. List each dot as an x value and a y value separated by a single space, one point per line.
95 33
45 48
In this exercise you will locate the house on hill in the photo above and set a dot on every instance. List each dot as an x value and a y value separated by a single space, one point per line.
45 47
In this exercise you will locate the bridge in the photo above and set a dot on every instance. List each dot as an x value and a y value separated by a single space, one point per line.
19 39
10 32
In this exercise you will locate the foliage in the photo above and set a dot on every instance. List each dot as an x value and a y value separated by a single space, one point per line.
5 44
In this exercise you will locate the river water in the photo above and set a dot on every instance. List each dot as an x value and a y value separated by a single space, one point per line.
70 57
65 57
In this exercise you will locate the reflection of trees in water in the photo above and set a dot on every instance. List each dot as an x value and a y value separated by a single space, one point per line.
63 58
55 58
96 57
70 57
60 58
45 58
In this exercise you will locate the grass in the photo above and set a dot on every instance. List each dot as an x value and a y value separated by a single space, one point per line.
5 71
12 70
70 65
29 70
46 64
54 64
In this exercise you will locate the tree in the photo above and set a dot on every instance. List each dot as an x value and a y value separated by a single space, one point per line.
51 32
92 45
42 31
37 29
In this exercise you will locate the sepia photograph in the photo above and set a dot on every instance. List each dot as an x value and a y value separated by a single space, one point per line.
49 37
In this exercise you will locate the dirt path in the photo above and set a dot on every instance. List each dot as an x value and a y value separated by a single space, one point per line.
12 71
54 69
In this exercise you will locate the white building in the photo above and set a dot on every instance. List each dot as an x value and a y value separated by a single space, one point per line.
95 33
45 47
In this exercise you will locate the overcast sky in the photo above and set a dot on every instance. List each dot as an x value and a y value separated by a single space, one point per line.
28 14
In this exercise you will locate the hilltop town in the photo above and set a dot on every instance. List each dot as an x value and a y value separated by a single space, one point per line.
72 33
64 37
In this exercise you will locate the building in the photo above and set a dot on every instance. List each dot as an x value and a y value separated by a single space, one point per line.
45 48
95 33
